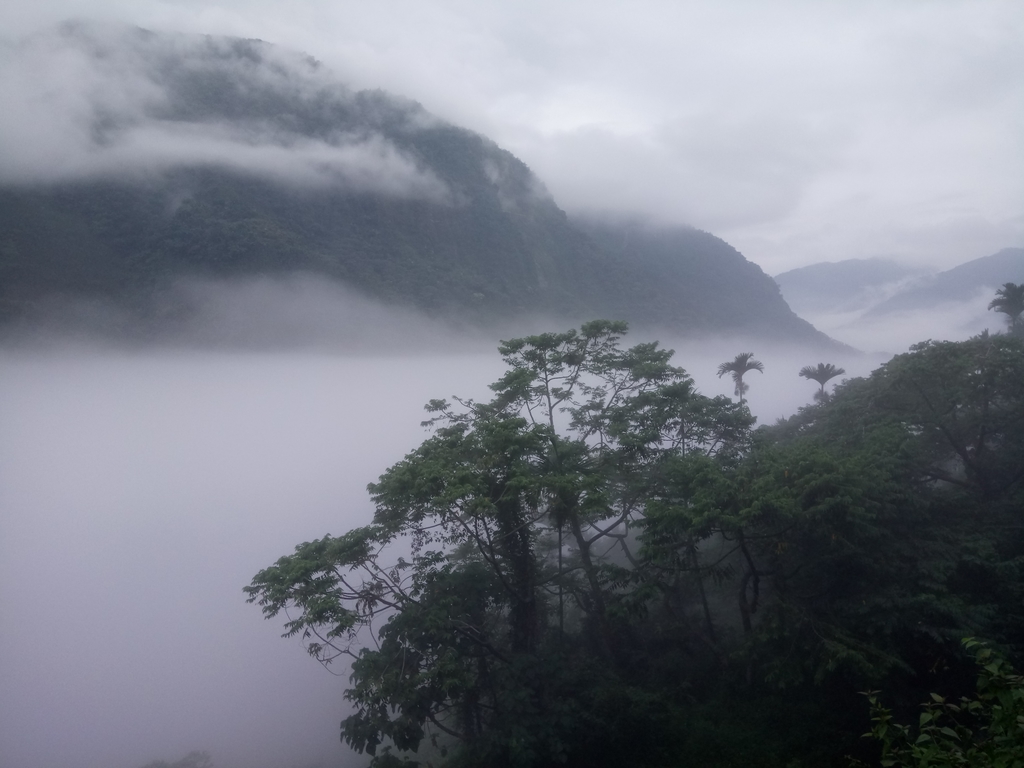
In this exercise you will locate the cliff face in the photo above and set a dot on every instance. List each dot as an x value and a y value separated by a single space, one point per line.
232 158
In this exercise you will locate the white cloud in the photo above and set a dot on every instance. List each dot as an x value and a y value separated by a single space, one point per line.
93 100
895 332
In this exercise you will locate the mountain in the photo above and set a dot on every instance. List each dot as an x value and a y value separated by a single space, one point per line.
845 286
194 156
877 304
958 284
687 278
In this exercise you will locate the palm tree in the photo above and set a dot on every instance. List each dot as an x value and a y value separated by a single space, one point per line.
821 374
744 362
1010 301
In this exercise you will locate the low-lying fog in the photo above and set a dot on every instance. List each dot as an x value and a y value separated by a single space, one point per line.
143 486
897 331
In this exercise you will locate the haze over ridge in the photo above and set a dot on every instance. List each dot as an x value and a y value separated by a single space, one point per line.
798 132
187 156
864 299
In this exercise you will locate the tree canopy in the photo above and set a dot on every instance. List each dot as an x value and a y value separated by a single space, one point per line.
601 566
985 730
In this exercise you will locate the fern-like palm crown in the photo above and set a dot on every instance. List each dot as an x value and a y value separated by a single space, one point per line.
1010 301
742 363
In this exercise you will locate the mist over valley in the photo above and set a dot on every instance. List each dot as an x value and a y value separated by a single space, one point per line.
230 282
156 481
879 303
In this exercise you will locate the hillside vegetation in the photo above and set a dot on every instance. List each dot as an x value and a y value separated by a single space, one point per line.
250 160
602 567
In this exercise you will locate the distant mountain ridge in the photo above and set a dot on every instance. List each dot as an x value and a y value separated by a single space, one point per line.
222 157
877 287
845 285
959 283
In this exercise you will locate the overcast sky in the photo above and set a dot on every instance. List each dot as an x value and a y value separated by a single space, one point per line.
797 131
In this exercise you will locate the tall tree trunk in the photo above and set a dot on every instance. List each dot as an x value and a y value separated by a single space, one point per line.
596 596
517 546
708 624
750 575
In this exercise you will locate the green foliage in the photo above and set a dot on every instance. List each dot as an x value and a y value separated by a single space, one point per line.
985 730
933 441
509 511
1009 300
601 566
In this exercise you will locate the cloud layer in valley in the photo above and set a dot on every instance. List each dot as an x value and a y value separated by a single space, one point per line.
291 312
141 491
895 332
142 488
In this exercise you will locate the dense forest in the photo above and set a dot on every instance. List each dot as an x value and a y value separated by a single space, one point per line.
601 566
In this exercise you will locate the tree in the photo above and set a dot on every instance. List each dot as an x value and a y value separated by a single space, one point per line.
964 403
944 736
930 448
511 603
821 374
743 363
599 566
1010 301
860 539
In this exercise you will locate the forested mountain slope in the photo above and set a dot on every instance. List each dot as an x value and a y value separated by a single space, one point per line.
200 156
689 277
